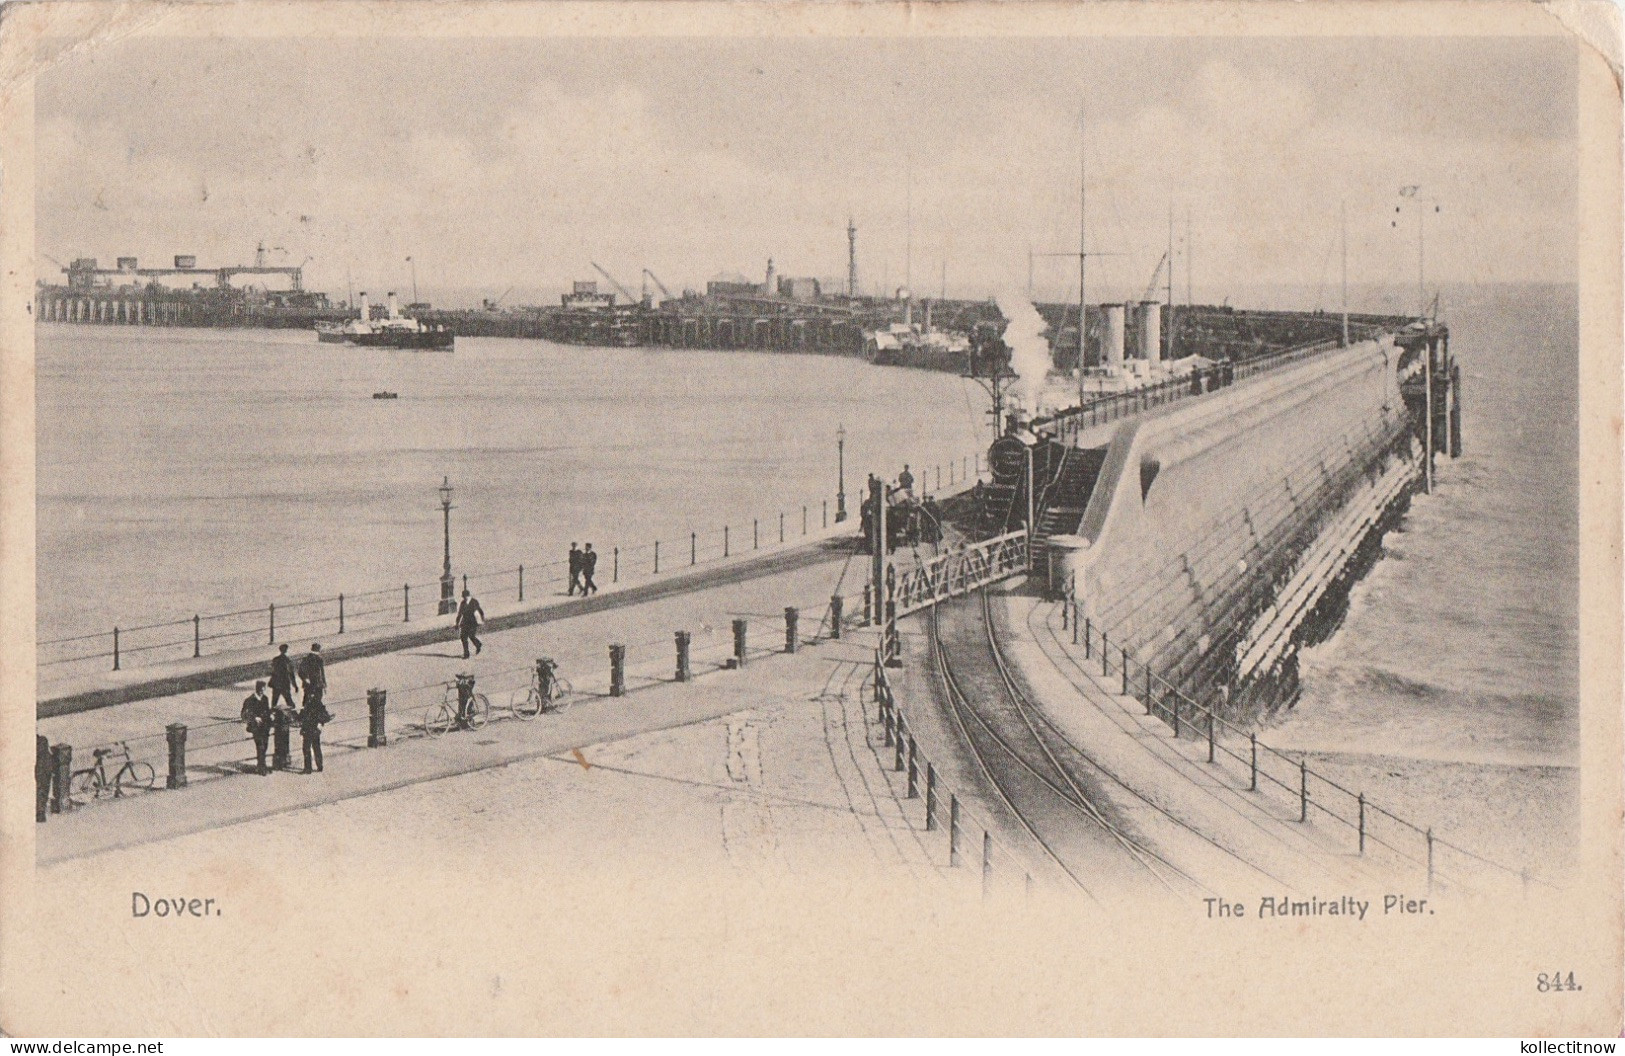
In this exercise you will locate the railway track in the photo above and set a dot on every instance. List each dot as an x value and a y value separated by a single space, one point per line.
1028 766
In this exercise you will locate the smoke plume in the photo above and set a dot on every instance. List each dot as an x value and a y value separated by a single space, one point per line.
1029 351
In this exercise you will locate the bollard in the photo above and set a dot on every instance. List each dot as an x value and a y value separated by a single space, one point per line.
42 777
1252 741
1303 790
376 737
615 567
897 742
987 862
684 673
617 670
953 831
197 637
177 755
61 775
930 797
835 617
1362 823
739 642
115 648
913 770
406 603
341 606
791 618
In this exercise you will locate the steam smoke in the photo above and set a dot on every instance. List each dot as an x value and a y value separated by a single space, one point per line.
1029 351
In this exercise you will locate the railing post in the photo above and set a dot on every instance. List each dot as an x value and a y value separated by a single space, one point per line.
376 735
521 582
835 602
930 795
739 642
755 534
61 776
791 620
987 862
1105 655
1303 790
897 742
1430 859
886 713
953 831
197 637
1124 650
803 520
1064 616
1148 688
617 670
684 673
273 623
725 540
1088 635
657 557
781 526
115 648
1362 823
693 547
1252 741
1179 701
43 778
826 513
868 611
176 732
341 613
913 770
615 566
1210 735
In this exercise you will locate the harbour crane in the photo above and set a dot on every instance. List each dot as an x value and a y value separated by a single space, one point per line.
631 297
1151 287
664 292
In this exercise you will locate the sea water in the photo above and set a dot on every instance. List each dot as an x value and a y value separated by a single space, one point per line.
201 471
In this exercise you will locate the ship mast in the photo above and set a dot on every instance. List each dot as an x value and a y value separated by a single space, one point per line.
1083 255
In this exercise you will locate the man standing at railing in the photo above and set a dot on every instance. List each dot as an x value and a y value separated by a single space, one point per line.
282 678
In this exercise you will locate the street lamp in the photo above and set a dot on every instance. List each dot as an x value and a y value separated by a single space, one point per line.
447 584
1413 192
840 455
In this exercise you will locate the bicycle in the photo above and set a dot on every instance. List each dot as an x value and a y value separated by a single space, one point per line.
94 783
445 716
536 698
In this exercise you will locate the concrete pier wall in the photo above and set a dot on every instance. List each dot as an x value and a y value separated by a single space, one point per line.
1200 513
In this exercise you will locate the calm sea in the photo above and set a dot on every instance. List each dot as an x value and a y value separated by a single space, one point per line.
199 471
1462 643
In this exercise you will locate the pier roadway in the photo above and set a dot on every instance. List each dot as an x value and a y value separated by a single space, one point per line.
823 678
1169 821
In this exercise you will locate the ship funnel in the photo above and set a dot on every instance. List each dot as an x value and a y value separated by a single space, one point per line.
1151 331
366 312
1114 336
394 306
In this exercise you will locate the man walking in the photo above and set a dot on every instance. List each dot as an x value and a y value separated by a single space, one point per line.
282 680
589 564
315 713
313 674
469 615
575 569
256 715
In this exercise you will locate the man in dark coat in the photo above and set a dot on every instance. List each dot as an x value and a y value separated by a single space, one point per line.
311 718
469 615
313 674
575 570
282 718
282 677
256 715
589 564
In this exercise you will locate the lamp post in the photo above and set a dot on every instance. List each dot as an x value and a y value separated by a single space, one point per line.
840 455
1413 192
447 583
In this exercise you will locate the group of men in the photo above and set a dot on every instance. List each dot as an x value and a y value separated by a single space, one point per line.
276 715
583 563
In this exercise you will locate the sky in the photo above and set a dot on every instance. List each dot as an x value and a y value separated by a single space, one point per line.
499 163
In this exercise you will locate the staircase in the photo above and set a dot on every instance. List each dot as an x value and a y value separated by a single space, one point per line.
1062 503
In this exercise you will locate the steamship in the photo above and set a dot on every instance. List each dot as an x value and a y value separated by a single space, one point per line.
392 331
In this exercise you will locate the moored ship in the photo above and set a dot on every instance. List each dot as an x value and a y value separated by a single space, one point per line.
392 331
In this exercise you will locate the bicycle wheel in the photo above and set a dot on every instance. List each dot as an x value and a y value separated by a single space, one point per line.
136 775
439 718
479 711
83 786
525 703
561 694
